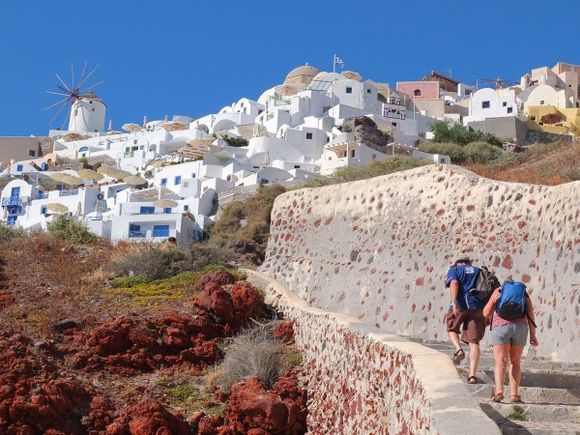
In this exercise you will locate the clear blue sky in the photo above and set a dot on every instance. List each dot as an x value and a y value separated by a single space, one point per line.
193 57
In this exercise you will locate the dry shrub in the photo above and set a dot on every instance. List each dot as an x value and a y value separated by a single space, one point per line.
253 353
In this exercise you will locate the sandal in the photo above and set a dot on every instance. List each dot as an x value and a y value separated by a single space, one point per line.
497 396
458 356
472 380
516 398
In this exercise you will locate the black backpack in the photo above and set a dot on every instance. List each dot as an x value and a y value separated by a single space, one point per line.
485 284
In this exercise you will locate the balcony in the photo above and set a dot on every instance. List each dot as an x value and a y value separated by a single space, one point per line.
161 233
68 192
12 201
137 234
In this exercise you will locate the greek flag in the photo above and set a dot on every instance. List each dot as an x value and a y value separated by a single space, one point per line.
338 60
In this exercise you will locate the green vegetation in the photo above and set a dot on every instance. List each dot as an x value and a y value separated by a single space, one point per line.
454 151
66 228
516 413
482 152
294 358
156 262
9 232
246 224
140 289
458 134
374 169
235 141
255 353
190 395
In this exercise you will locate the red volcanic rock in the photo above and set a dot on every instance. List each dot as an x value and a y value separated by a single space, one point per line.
216 302
219 277
6 300
253 409
148 417
210 424
136 344
284 331
247 302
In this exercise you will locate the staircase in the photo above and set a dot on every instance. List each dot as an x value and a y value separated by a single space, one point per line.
550 392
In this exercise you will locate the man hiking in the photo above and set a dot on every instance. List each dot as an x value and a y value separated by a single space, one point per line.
465 319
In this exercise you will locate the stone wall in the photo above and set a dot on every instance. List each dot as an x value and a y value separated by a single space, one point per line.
362 381
379 249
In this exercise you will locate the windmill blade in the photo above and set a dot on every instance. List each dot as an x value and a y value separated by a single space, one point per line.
84 79
57 112
65 120
56 104
63 83
57 93
72 73
84 69
91 87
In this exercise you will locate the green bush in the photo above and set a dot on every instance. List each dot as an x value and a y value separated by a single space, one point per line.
67 228
482 152
454 151
130 281
9 232
235 141
456 133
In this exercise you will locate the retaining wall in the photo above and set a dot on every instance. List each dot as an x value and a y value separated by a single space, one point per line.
379 249
363 381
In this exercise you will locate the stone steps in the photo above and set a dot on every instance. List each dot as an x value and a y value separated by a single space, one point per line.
550 391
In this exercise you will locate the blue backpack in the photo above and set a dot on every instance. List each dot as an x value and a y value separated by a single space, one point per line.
512 301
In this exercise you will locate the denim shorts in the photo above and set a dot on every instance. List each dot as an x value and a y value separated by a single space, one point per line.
515 334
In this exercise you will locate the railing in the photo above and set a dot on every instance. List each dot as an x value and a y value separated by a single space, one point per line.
12 201
161 233
68 192
135 234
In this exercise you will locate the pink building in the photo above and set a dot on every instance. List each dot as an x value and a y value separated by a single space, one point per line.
420 90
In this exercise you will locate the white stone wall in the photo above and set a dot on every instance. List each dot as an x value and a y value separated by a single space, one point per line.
363 381
379 249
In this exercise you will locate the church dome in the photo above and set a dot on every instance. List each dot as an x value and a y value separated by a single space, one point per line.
301 75
352 75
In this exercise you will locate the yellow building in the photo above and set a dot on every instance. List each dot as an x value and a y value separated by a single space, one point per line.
554 120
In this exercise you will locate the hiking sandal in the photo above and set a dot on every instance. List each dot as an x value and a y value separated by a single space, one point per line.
472 380
497 396
516 398
458 356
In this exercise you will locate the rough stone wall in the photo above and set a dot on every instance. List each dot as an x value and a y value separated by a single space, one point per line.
361 381
379 249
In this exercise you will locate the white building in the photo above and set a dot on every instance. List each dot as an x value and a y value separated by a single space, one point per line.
490 103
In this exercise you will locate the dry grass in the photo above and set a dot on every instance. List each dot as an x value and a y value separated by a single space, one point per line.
549 164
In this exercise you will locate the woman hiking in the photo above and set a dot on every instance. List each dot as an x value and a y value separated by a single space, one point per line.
512 315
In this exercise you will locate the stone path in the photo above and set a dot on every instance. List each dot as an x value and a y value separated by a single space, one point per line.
550 392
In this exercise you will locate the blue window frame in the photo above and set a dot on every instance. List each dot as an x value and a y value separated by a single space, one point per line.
15 192
11 220
43 209
160 230
177 180
147 210
164 182
167 210
19 168
185 207
135 231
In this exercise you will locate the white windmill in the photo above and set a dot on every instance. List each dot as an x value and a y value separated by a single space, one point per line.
87 111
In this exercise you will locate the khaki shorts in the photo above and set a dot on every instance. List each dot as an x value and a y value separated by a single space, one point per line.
470 324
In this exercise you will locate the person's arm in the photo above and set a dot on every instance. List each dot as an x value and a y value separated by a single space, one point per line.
532 322
489 307
453 292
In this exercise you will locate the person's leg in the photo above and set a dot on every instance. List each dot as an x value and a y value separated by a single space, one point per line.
453 327
474 352
500 356
454 339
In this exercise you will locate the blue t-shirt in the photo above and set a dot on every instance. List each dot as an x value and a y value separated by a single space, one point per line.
466 276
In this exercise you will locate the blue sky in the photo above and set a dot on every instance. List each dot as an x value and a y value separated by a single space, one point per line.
194 57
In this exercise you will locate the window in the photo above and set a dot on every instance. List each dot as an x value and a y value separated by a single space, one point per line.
43 209
510 109
348 90
374 157
542 102
134 141
167 210
164 182
177 180
394 124
352 153
147 210
369 91
31 153
308 135
504 104
327 139
296 166
485 105
19 168
193 175
185 207
417 92
533 118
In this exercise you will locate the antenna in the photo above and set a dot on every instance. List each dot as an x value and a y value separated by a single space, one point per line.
73 91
